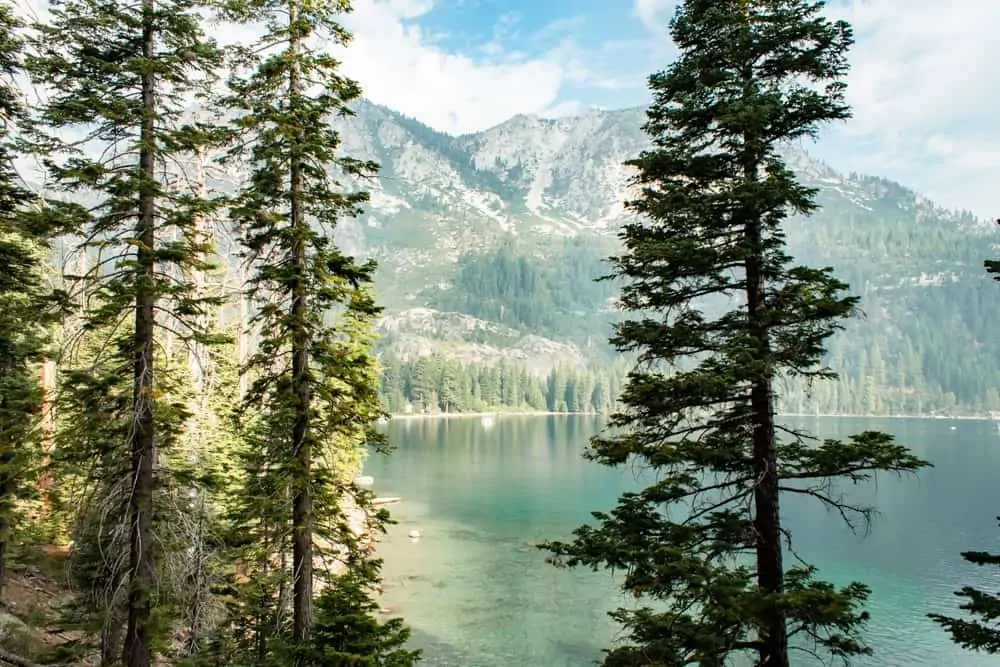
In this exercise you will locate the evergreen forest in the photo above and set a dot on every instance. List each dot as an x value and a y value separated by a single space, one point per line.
191 375
181 432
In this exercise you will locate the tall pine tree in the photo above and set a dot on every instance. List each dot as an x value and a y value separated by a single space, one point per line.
313 401
120 77
705 539
27 308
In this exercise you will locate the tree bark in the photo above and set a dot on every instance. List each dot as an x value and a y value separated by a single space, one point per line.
48 430
137 650
7 482
243 335
767 519
199 368
111 635
773 650
302 556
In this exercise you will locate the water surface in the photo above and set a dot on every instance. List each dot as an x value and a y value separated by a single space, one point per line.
477 594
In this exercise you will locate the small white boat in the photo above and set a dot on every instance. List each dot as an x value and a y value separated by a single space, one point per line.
487 421
414 534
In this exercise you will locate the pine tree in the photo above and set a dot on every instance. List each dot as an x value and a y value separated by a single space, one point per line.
96 416
706 539
27 308
121 76
314 399
347 631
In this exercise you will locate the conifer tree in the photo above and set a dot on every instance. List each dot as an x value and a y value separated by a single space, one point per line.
313 400
26 307
96 416
347 630
120 77
705 539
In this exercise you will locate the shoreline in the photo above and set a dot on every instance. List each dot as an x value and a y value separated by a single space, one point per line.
486 413
984 418
547 413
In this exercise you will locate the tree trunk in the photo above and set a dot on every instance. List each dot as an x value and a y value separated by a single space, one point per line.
137 652
198 358
302 556
199 367
48 430
767 519
111 634
243 335
7 482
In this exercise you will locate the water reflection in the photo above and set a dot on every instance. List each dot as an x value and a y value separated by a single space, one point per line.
482 497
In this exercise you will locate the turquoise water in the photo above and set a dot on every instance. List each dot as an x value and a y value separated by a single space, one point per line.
477 594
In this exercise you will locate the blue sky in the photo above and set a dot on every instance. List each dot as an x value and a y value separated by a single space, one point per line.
923 85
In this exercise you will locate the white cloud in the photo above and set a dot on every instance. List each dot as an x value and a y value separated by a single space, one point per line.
922 87
398 66
563 109
651 14
919 63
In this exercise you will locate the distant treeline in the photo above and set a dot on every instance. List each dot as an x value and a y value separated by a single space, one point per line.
435 384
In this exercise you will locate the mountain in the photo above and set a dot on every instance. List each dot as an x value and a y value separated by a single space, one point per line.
488 244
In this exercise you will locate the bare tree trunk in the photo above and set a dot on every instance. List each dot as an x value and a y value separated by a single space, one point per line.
767 517
7 482
243 334
48 430
198 359
302 552
137 651
111 637
199 363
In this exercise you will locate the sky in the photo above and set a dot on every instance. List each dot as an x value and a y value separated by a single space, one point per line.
923 84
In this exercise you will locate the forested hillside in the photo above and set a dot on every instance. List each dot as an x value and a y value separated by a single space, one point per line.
489 245
187 393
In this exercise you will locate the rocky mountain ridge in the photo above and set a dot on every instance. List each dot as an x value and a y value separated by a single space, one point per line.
440 202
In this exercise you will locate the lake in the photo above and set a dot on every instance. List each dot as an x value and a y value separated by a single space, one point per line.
477 594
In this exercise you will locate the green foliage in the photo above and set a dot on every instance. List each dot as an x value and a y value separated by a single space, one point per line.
28 308
924 345
705 540
92 465
121 77
347 631
993 266
313 401
144 442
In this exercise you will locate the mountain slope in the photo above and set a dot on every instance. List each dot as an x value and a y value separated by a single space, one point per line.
491 239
